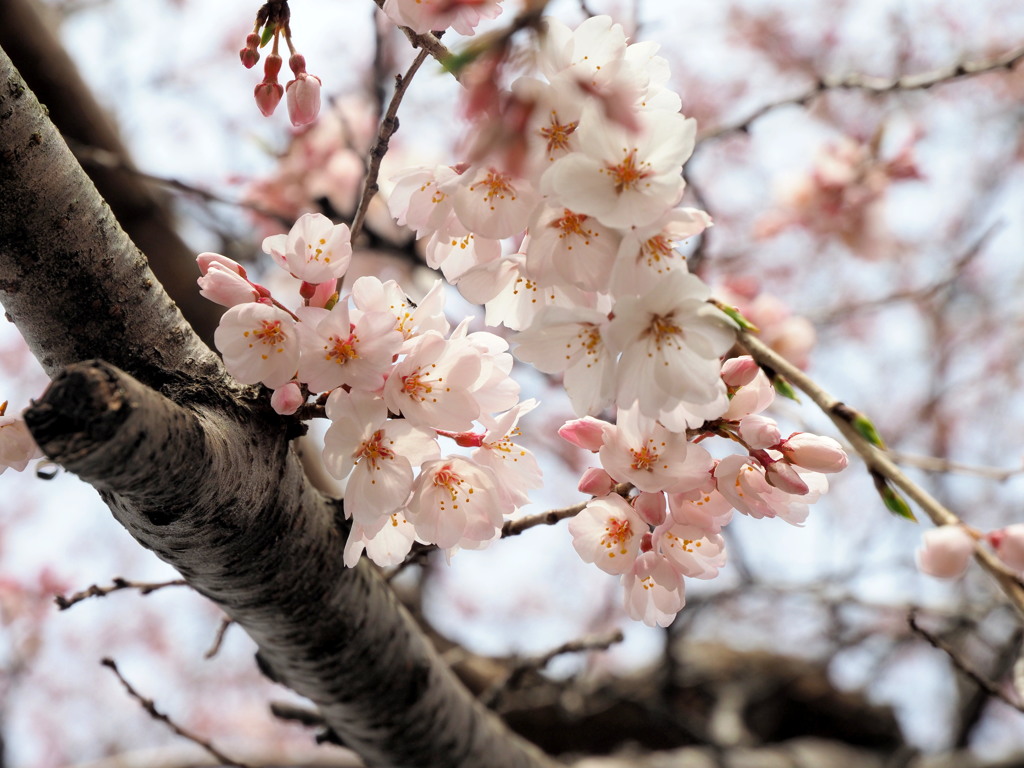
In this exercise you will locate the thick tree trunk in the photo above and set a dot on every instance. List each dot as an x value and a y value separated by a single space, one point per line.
200 470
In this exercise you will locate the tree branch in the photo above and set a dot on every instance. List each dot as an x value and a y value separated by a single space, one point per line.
879 461
63 603
200 470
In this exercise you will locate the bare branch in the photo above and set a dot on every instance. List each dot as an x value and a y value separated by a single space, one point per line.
537 663
961 663
218 640
874 85
63 603
150 707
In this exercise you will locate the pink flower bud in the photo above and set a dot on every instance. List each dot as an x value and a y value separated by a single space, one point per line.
250 57
1009 546
596 482
782 476
272 68
814 452
760 431
739 371
651 507
303 99
945 552
323 293
286 400
268 96
204 260
586 433
222 285
252 40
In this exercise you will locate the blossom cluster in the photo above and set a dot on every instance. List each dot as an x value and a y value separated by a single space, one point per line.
395 377
564 224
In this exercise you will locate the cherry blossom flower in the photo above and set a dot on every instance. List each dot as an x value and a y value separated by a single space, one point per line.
259 344
380 454
640 450
515 468
945 552
338 352
572 342
671 340
708 509
760 432
369 294
572 249
418 199
17 447
424 16
694 552
303 93
456 503
491 203
654 591
752 396
623 179
389 545
742 481
607 533
432 385
314 251
647 254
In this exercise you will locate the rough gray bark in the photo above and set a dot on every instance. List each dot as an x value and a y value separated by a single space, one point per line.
198 469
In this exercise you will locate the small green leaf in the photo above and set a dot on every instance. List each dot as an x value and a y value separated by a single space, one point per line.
867 430
784 388
455 63
268 34
892 500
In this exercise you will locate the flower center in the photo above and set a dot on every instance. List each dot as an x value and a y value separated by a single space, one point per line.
644 459
497 185
617 533
314 252
269 333
557 134
342 350
374 450
627 175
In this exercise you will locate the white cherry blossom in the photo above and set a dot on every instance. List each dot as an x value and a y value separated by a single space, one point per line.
607 533
315 250
339 352
259 344
654 591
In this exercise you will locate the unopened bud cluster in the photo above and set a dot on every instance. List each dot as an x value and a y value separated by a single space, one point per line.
303 90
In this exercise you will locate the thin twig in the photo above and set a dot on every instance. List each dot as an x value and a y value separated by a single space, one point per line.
961 663
95 157
218 640
537 663
874 85
150 707
878 461
144 588
552 516
388 126
935 464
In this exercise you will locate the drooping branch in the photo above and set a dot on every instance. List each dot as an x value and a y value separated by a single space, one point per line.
200 470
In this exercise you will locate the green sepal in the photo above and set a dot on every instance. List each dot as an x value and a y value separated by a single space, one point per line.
893 501
737 317
456 62
784 388
331 302
268 34
867 430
